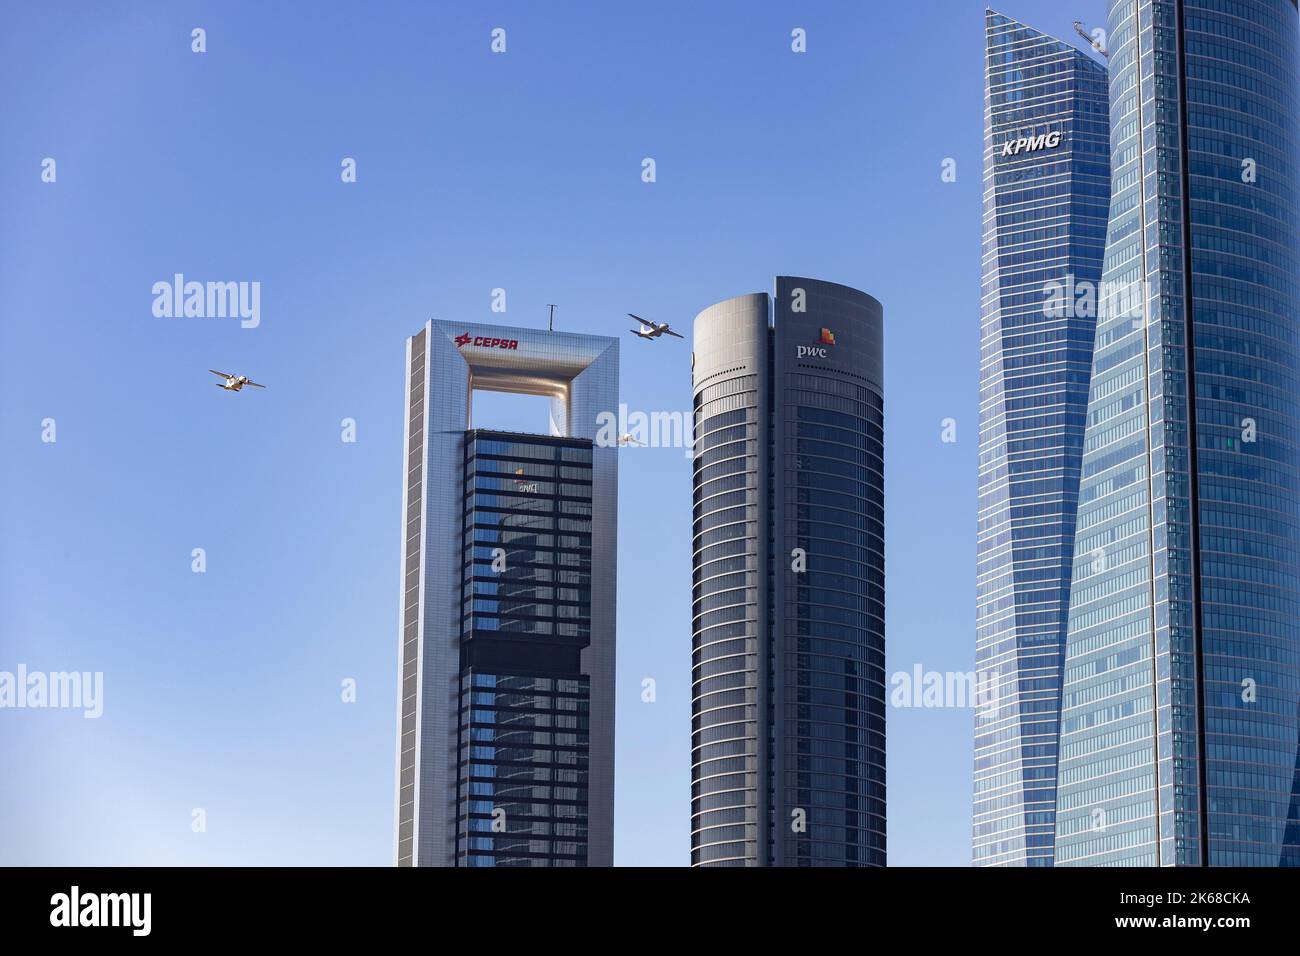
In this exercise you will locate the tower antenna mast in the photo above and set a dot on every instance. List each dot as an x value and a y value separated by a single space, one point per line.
550 325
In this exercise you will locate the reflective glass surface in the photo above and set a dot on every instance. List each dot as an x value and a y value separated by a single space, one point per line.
524 729
1046 190
833 621
725 728
1182 676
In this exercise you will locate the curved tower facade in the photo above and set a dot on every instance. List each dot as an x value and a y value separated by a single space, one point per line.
1182 671
788 702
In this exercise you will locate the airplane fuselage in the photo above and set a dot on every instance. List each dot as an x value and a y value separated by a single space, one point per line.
233 383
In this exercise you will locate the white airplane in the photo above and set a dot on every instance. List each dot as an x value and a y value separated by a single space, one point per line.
627 439
652 330
233 383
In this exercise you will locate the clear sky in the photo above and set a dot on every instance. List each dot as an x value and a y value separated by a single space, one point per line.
475 171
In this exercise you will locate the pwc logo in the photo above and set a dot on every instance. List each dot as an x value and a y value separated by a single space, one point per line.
484 341
819 350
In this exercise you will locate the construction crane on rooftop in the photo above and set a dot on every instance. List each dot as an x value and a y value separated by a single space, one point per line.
1092 41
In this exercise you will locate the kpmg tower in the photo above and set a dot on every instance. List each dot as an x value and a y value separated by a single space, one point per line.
788 703
1046 191
1179 725
505 746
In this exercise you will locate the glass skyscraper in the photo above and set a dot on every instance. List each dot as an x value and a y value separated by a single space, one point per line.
788 704
1046 192
525 704
505 745
1179 736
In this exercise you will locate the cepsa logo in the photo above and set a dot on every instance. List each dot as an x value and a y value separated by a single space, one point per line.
484 341
818 350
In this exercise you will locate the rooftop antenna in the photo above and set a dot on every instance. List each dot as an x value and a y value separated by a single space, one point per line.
550 325
1093 41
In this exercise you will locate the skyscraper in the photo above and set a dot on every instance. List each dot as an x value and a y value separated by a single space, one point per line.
788 745
1046 191
1180 728
505 747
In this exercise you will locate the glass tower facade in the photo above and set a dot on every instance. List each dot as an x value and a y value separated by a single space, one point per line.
1046 196
1179 736
524 741
788 746
505 742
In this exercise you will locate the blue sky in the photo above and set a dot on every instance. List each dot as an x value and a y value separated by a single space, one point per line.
475 171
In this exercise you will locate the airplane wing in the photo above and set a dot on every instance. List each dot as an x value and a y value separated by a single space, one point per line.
672 333
632 315
222 374
255 385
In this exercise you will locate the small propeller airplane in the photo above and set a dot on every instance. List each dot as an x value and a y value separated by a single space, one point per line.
652 330
233 383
